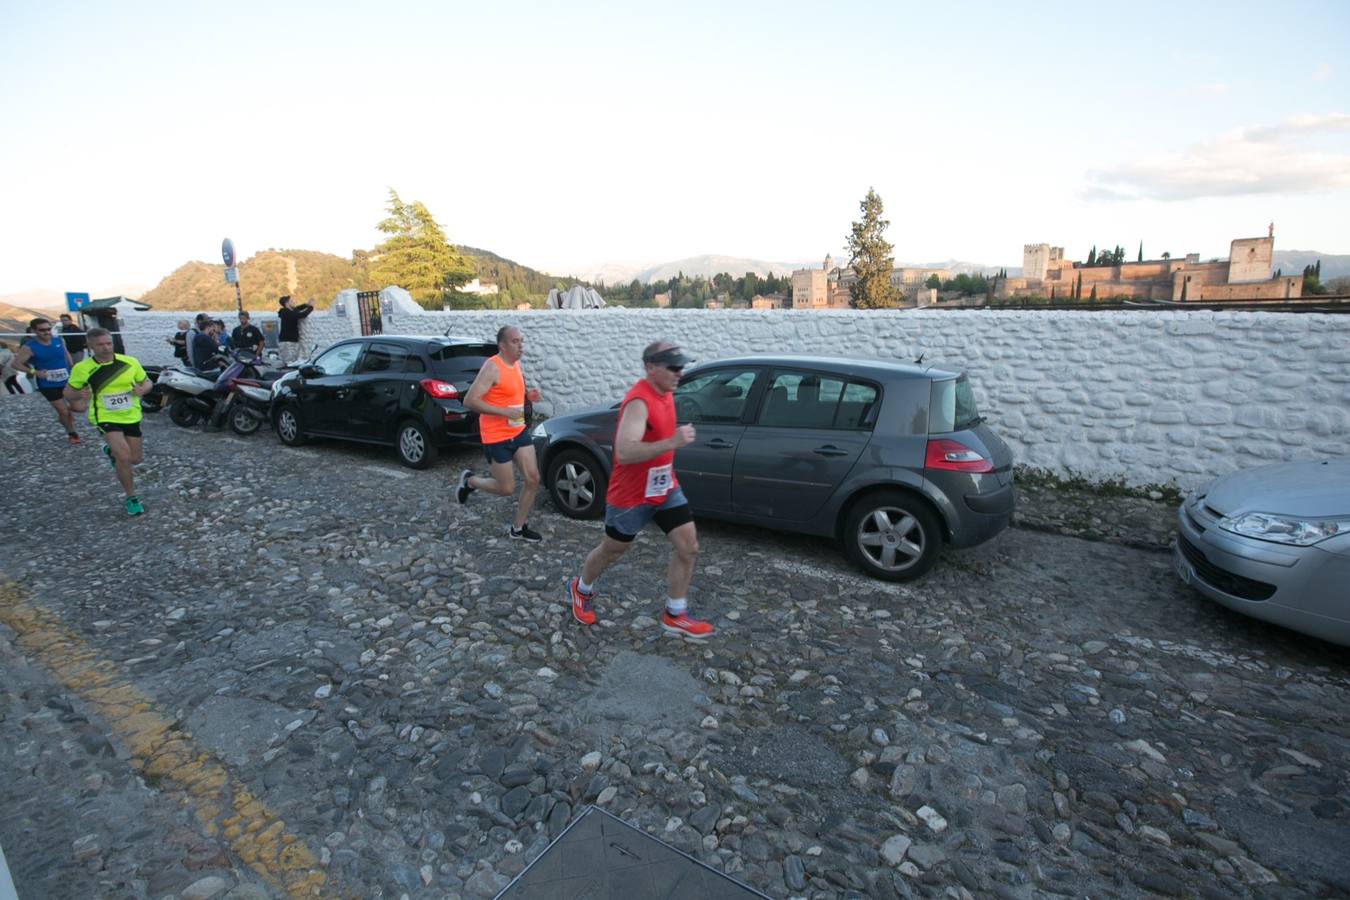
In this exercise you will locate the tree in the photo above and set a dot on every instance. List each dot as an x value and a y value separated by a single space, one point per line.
1093 296
1167 254
1141 251
933 281
1092 256
749 286
870 258
416 256
1078 289
1312 281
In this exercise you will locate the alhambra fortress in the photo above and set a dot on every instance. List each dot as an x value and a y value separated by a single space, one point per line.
1245 275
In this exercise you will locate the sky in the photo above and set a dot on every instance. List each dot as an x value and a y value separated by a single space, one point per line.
136 135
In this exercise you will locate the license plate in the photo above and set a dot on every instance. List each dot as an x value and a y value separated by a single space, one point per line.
1184 571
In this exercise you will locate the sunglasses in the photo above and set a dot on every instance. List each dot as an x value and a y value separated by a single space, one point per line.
42 330
676 369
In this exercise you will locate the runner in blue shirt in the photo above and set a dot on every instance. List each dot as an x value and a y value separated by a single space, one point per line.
44 357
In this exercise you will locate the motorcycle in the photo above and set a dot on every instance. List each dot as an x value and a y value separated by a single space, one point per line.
201 395
249 403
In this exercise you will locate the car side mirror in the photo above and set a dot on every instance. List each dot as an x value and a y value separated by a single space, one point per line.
310 371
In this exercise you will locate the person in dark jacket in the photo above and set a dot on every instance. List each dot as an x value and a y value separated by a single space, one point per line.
73 335
180 340
289 339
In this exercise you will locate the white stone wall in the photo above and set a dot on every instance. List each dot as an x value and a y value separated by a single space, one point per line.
1150 397
144 333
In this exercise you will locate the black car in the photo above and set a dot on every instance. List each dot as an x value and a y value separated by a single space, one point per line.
894 460
384 389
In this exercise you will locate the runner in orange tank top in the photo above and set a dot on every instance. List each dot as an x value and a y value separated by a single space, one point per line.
498 395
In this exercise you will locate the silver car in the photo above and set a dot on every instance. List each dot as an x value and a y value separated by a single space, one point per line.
1273 542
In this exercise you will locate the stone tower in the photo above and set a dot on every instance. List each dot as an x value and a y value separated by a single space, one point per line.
829 263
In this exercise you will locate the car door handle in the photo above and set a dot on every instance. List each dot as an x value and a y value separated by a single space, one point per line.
829 450
719 444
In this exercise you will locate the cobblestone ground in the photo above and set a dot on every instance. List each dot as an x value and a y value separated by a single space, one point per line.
306 672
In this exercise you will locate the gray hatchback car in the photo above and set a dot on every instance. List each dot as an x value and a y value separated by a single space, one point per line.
893 460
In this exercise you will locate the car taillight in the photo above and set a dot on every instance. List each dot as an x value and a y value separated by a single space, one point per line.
441 390
955 456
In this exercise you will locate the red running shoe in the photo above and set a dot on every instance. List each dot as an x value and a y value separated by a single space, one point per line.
581 603
74 439
685 626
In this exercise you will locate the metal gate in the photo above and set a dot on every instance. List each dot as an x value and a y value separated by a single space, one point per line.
368 306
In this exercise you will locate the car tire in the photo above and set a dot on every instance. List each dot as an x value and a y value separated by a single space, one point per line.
286 423
893 535
414 446
244 422
576 484
182 414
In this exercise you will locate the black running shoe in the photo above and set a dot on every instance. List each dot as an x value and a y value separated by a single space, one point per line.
463 491
526 533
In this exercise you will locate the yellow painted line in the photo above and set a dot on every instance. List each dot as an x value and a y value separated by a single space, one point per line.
166 758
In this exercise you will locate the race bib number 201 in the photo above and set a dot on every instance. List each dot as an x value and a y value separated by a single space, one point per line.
115 402
659 480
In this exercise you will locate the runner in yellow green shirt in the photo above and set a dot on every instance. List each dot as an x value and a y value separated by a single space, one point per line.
110 386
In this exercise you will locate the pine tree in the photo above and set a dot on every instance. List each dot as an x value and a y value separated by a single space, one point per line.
417 257
870 258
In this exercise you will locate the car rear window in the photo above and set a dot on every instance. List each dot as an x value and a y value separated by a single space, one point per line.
453 360
952 406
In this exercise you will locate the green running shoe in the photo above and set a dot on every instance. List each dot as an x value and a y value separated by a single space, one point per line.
134 506
107 451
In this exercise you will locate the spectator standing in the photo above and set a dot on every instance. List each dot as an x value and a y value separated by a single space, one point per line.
247 336
220 335
73 335
180 340
201 328
289 338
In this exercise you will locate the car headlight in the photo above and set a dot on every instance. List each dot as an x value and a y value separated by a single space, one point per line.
540 431
1285 529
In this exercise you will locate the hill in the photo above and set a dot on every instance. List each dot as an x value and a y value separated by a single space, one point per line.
262 279
1291 262
14 319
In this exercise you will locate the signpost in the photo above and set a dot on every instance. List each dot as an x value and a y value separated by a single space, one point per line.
76 302
232 271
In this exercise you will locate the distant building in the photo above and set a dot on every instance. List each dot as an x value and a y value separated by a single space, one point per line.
821 288
769 301
1245 275
479 286
663 300
903 277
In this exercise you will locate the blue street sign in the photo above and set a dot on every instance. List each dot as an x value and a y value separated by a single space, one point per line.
76 302
227 251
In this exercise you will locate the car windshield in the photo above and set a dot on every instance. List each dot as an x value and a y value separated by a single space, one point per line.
952 406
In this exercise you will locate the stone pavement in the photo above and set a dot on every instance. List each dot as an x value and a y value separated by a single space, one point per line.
308 673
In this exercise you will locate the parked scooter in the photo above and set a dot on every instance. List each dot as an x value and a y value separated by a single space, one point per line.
182 386
249 403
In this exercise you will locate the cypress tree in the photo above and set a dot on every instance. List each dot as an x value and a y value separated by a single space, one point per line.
870 257
1092 256
1141 251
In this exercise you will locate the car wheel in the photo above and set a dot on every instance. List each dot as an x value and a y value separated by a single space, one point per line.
893 535
287 425
576 482
182 414
415 449
244 422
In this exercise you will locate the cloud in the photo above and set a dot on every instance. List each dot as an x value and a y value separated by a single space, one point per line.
1268 159
1322 72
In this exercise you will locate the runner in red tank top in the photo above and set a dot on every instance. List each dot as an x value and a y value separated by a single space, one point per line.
643 488
498 395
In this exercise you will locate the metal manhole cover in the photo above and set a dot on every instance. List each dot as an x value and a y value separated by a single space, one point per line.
599 857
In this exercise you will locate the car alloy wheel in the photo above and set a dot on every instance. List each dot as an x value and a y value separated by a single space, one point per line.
893 535
414 445
288 427
577 484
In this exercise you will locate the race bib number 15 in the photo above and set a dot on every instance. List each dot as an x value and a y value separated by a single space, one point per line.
658 480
